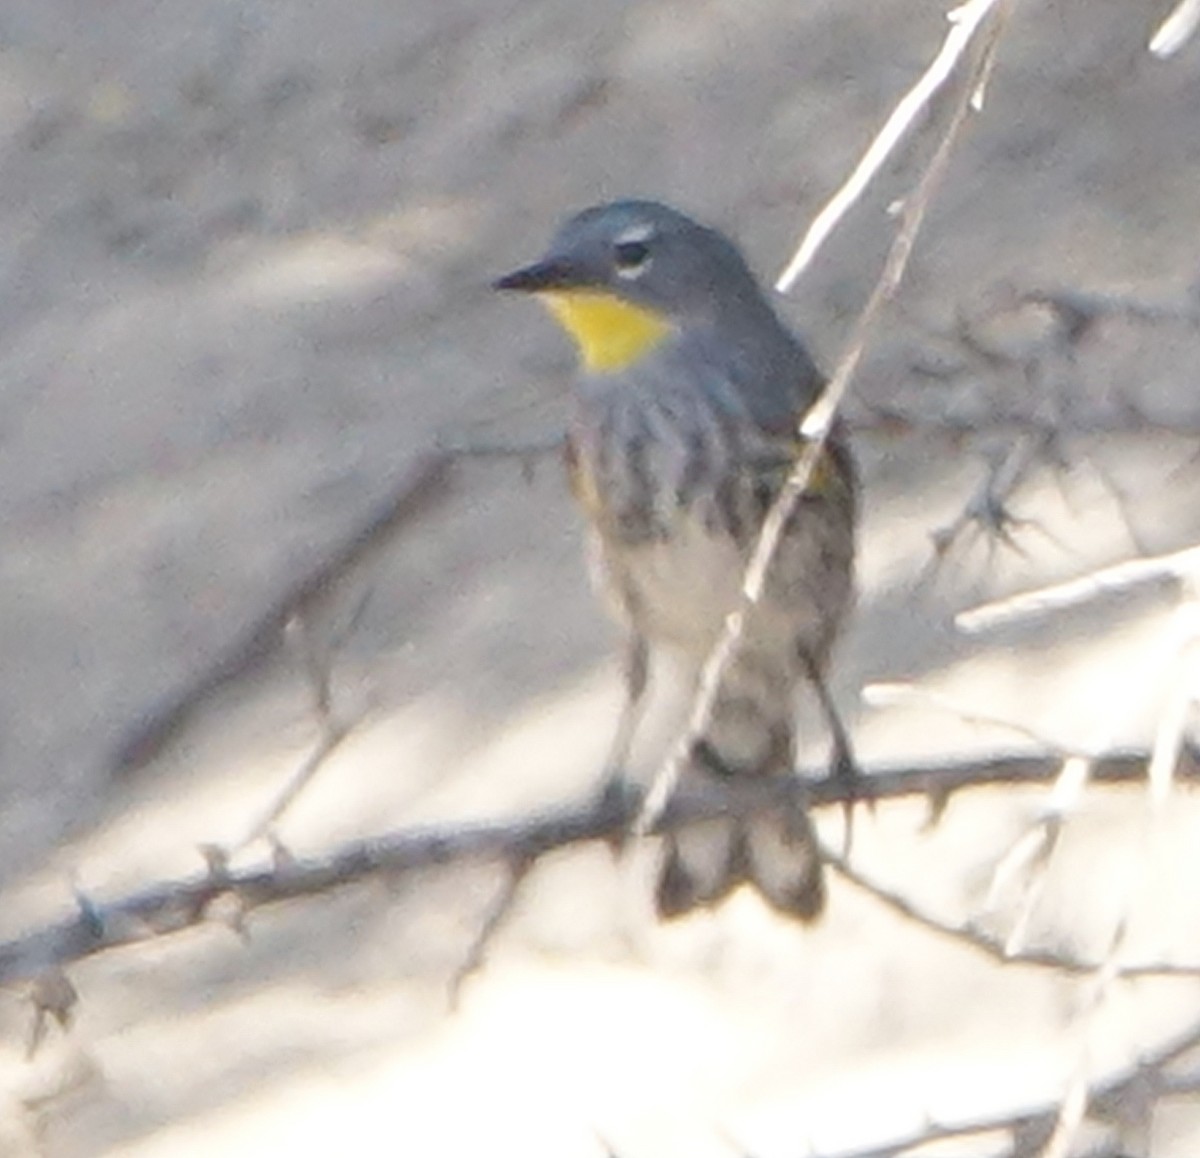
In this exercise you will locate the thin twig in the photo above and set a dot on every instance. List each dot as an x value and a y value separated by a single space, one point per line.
899 694
987 508
1181 694
333 735
1031 854
1036 849
1072 1111
1103 581
334 727
54 999
1177 29
498 910
421 488
1159 775
525 450
964 23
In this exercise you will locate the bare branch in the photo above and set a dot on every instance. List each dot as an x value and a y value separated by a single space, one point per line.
1030 855
987 508
333 735
334 730
498 911
171 906
965 22
526 451
1177 29
899 694
1104 581
423 486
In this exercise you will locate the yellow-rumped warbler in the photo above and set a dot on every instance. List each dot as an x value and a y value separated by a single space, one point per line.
684 427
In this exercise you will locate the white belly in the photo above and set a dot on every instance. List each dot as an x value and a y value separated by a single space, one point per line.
678 591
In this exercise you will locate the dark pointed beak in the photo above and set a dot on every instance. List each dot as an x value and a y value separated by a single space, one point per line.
542 275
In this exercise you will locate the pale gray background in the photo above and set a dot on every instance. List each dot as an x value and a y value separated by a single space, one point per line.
244 252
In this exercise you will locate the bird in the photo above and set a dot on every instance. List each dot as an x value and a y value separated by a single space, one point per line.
684 424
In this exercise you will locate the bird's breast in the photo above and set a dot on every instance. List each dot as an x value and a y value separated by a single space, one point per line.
676 494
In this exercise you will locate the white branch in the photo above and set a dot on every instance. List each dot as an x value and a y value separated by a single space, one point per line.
1107 580
964 22
1174 32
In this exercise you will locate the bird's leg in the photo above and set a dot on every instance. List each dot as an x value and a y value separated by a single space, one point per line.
843 766
617 787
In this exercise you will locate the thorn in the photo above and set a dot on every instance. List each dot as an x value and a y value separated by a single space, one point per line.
52 996
89 911
216 862
229 910
938 800
282 857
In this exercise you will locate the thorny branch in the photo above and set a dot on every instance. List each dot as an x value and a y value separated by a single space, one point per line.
517 869
171 906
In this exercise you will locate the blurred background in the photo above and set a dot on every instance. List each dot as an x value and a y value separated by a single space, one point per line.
244 258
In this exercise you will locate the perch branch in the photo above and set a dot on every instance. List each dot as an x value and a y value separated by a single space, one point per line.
171 906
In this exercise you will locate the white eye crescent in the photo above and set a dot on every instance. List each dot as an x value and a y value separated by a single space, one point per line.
631 257
631 252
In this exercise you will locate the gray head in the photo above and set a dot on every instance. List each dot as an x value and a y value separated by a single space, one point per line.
648 254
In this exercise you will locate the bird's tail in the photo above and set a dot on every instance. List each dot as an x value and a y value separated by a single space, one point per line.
776 852
750 737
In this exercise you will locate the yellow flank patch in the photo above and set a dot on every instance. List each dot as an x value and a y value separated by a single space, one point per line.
583 482
610 333
823 475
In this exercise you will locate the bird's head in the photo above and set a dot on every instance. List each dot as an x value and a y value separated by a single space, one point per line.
622 277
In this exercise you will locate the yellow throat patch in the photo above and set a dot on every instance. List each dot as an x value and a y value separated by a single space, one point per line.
611 333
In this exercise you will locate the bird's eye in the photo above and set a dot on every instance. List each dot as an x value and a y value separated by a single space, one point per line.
631 257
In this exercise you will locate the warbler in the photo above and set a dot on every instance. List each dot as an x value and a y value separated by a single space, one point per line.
685 422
